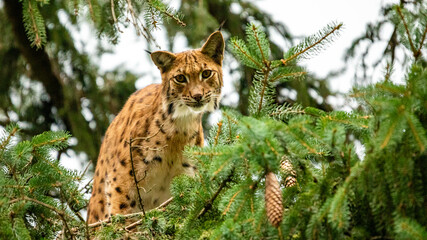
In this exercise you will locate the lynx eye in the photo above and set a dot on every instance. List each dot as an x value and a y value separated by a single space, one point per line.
180 79
206 73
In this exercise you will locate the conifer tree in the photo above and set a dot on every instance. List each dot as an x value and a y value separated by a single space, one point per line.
284 172
154 11
38 197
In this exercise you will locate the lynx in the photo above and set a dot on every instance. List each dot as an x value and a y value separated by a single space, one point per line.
154 126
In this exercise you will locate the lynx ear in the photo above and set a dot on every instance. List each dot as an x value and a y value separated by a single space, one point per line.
214 47
163 60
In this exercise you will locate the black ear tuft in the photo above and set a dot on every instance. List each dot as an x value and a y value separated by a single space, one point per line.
163 60
214 47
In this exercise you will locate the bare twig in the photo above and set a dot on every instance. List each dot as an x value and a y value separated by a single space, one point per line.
421 43
165 203
138 24
146 138
99 223
85 170
86 186
141 205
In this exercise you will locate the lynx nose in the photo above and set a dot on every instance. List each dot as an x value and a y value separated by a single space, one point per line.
198 97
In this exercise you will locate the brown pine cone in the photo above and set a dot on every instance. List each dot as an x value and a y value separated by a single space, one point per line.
273 199
290 174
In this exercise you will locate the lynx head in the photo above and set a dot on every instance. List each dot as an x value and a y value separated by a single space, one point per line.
192 80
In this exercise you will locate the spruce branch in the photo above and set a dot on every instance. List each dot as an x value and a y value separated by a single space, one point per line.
61 214
252 189
417 132
300 140
230 202
389 134
92 15
229 127
161 7
51 142
219 169
34 24
408 228
264 86
258 42
113 13
408 34
286 111
313 45
5 142
218 133
285 75
209 203
240 49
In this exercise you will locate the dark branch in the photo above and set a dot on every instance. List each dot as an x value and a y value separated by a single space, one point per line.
209 203
134 178
38 59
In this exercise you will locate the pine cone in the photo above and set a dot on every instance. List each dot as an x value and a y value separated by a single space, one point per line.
273 199
286 167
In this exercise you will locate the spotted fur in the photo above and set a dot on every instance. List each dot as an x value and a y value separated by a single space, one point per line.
161 119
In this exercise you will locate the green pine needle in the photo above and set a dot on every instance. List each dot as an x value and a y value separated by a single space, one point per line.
34 23
312 45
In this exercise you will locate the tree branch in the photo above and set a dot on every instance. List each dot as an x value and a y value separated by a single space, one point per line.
209 203
285 61
38 59
141 205
414 50
61 213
